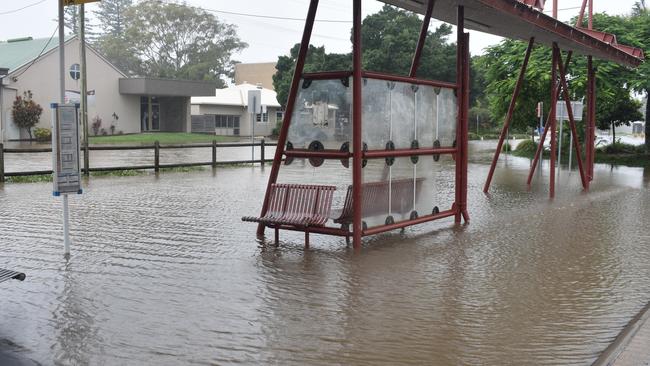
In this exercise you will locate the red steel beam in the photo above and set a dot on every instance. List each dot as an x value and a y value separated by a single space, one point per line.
357 110
460 81
405 223
405 79
555 9
540 147
327 75
590 25
562 30
553 120
408 152
511 110
465 134
325 154
422 39
572 123
293 92
581 15
591 115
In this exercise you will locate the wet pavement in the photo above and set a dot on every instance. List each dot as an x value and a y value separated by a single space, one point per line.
164 272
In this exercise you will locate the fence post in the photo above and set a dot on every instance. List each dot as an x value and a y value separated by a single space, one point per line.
2 163
156 157
262 147
214 153
86 160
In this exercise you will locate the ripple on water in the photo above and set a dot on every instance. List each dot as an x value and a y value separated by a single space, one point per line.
164 272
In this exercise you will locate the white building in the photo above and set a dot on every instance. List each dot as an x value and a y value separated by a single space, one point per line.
131 105
227 113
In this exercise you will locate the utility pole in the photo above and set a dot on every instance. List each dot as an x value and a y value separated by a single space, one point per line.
84 86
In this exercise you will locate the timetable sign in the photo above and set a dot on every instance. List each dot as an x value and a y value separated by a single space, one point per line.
65 149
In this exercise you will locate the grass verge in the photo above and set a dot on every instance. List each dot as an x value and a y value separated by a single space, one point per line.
163 137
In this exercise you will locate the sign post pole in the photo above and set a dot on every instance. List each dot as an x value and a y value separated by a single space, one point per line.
254 107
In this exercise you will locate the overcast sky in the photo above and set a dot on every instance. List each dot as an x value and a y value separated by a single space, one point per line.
267 38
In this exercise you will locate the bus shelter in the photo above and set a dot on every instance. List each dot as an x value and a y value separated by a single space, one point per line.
401 140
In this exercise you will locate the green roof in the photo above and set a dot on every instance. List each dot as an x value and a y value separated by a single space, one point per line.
18 52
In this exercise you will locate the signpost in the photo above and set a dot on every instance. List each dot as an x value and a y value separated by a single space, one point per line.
561 114
66 174
65 135
254 108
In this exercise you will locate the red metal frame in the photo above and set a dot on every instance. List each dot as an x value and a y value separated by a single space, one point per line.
291 100
421 40
572 124
357 159
554 98
511 110
358 155
406 79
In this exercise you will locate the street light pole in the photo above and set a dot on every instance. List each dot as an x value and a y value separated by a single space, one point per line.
3 73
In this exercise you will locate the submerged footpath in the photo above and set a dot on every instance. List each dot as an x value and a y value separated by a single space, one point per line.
631 347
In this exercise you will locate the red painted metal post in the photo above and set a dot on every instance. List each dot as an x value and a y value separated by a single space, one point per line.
581 15
422 39
293 92
511 109
591 116
553 120
357 84
591 15
555 9
565 92
540 147
460 39
465 123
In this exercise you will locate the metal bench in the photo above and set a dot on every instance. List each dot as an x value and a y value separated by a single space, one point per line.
296 205
374 199
6 274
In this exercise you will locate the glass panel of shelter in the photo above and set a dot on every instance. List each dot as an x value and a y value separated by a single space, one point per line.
396 115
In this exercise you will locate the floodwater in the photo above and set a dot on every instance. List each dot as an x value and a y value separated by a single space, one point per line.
163 272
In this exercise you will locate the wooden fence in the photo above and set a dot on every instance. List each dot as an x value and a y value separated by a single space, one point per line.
156 147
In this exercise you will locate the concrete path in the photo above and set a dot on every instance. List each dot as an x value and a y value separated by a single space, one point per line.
632 346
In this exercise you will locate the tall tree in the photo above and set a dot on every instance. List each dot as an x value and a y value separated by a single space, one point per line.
110 14
178 41
389 38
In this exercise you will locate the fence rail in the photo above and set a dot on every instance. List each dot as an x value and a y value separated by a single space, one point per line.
156 166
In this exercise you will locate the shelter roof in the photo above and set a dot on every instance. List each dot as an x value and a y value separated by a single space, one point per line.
516 20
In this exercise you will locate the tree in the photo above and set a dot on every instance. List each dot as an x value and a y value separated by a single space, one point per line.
317 60
178 41
389 38
111 16
112 43
25 112
71 21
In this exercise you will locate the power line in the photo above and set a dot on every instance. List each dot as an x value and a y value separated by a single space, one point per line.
24 7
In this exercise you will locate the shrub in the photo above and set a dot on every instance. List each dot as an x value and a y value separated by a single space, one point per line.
25 112
506 147
103 132
527 147
96 125
42 134
112 129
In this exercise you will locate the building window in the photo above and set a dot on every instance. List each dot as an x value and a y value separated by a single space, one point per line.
262 117
279 115
75 72
226 121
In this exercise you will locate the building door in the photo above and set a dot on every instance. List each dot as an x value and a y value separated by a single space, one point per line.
149 114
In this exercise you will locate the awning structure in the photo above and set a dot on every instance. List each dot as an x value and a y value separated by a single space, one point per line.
516 20
166 87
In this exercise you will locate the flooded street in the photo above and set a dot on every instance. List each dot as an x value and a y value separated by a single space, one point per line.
163 272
